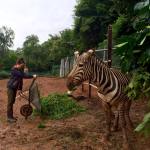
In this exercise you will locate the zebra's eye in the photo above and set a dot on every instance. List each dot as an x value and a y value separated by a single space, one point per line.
80 65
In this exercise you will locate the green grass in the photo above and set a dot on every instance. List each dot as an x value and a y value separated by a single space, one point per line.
58 106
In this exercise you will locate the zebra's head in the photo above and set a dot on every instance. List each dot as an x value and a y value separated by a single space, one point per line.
81 70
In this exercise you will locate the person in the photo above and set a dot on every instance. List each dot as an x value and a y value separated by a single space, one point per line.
15 85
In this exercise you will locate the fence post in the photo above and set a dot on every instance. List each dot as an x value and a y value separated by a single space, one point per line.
69 64
109 34
62 68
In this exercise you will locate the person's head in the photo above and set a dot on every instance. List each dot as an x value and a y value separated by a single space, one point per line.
20 63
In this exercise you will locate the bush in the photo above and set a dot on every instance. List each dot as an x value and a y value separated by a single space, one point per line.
118 26
144 127
58 106
4 74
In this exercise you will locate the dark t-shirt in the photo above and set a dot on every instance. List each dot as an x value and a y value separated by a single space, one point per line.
16 79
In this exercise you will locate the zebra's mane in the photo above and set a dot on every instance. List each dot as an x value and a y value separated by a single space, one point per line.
94 56
100 60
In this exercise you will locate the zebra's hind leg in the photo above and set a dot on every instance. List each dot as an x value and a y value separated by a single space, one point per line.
115 125
129 123
123 124
108 112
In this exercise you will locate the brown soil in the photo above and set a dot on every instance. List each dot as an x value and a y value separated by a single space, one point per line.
81 132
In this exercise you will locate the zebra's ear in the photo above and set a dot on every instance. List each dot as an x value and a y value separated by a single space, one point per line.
76 54
90 52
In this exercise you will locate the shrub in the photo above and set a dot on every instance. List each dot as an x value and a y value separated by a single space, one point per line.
4 74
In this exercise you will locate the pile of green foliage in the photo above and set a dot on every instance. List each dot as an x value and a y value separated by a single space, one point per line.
58 106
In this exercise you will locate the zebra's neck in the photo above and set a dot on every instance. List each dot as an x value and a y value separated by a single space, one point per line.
101 74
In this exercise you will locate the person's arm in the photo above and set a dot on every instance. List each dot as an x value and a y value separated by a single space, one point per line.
17 73
20 74
27 76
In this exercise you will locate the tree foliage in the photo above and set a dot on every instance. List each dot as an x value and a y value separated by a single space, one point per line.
6 39
134 50
91 21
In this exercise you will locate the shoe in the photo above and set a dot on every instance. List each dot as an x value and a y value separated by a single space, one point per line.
11 120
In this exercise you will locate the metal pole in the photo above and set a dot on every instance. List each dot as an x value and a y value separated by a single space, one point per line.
109 45
89 88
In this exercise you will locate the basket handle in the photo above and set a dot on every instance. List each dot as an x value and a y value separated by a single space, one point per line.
32 83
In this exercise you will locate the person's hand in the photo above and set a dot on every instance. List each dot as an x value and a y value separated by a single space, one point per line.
34 76
19 92
26 70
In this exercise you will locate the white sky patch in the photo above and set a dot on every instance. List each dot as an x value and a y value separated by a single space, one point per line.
39 17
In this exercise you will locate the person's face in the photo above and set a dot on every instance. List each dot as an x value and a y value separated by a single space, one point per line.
21 66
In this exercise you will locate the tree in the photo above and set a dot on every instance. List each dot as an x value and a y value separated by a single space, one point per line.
91 20
124 7
61 45
134 50
6 39
30 48
9 60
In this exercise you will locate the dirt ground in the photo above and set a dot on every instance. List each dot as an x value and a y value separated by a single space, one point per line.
81 132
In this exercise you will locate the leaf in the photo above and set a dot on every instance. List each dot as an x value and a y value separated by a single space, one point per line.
141 43
147 118
140 127
121 45
136 51
148 27
141 5
131 85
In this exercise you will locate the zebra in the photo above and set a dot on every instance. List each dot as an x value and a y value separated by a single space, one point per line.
110 84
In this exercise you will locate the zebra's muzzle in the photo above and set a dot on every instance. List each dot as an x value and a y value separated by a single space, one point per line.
70 84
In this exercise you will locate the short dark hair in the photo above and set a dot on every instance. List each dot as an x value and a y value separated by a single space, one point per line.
20 61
